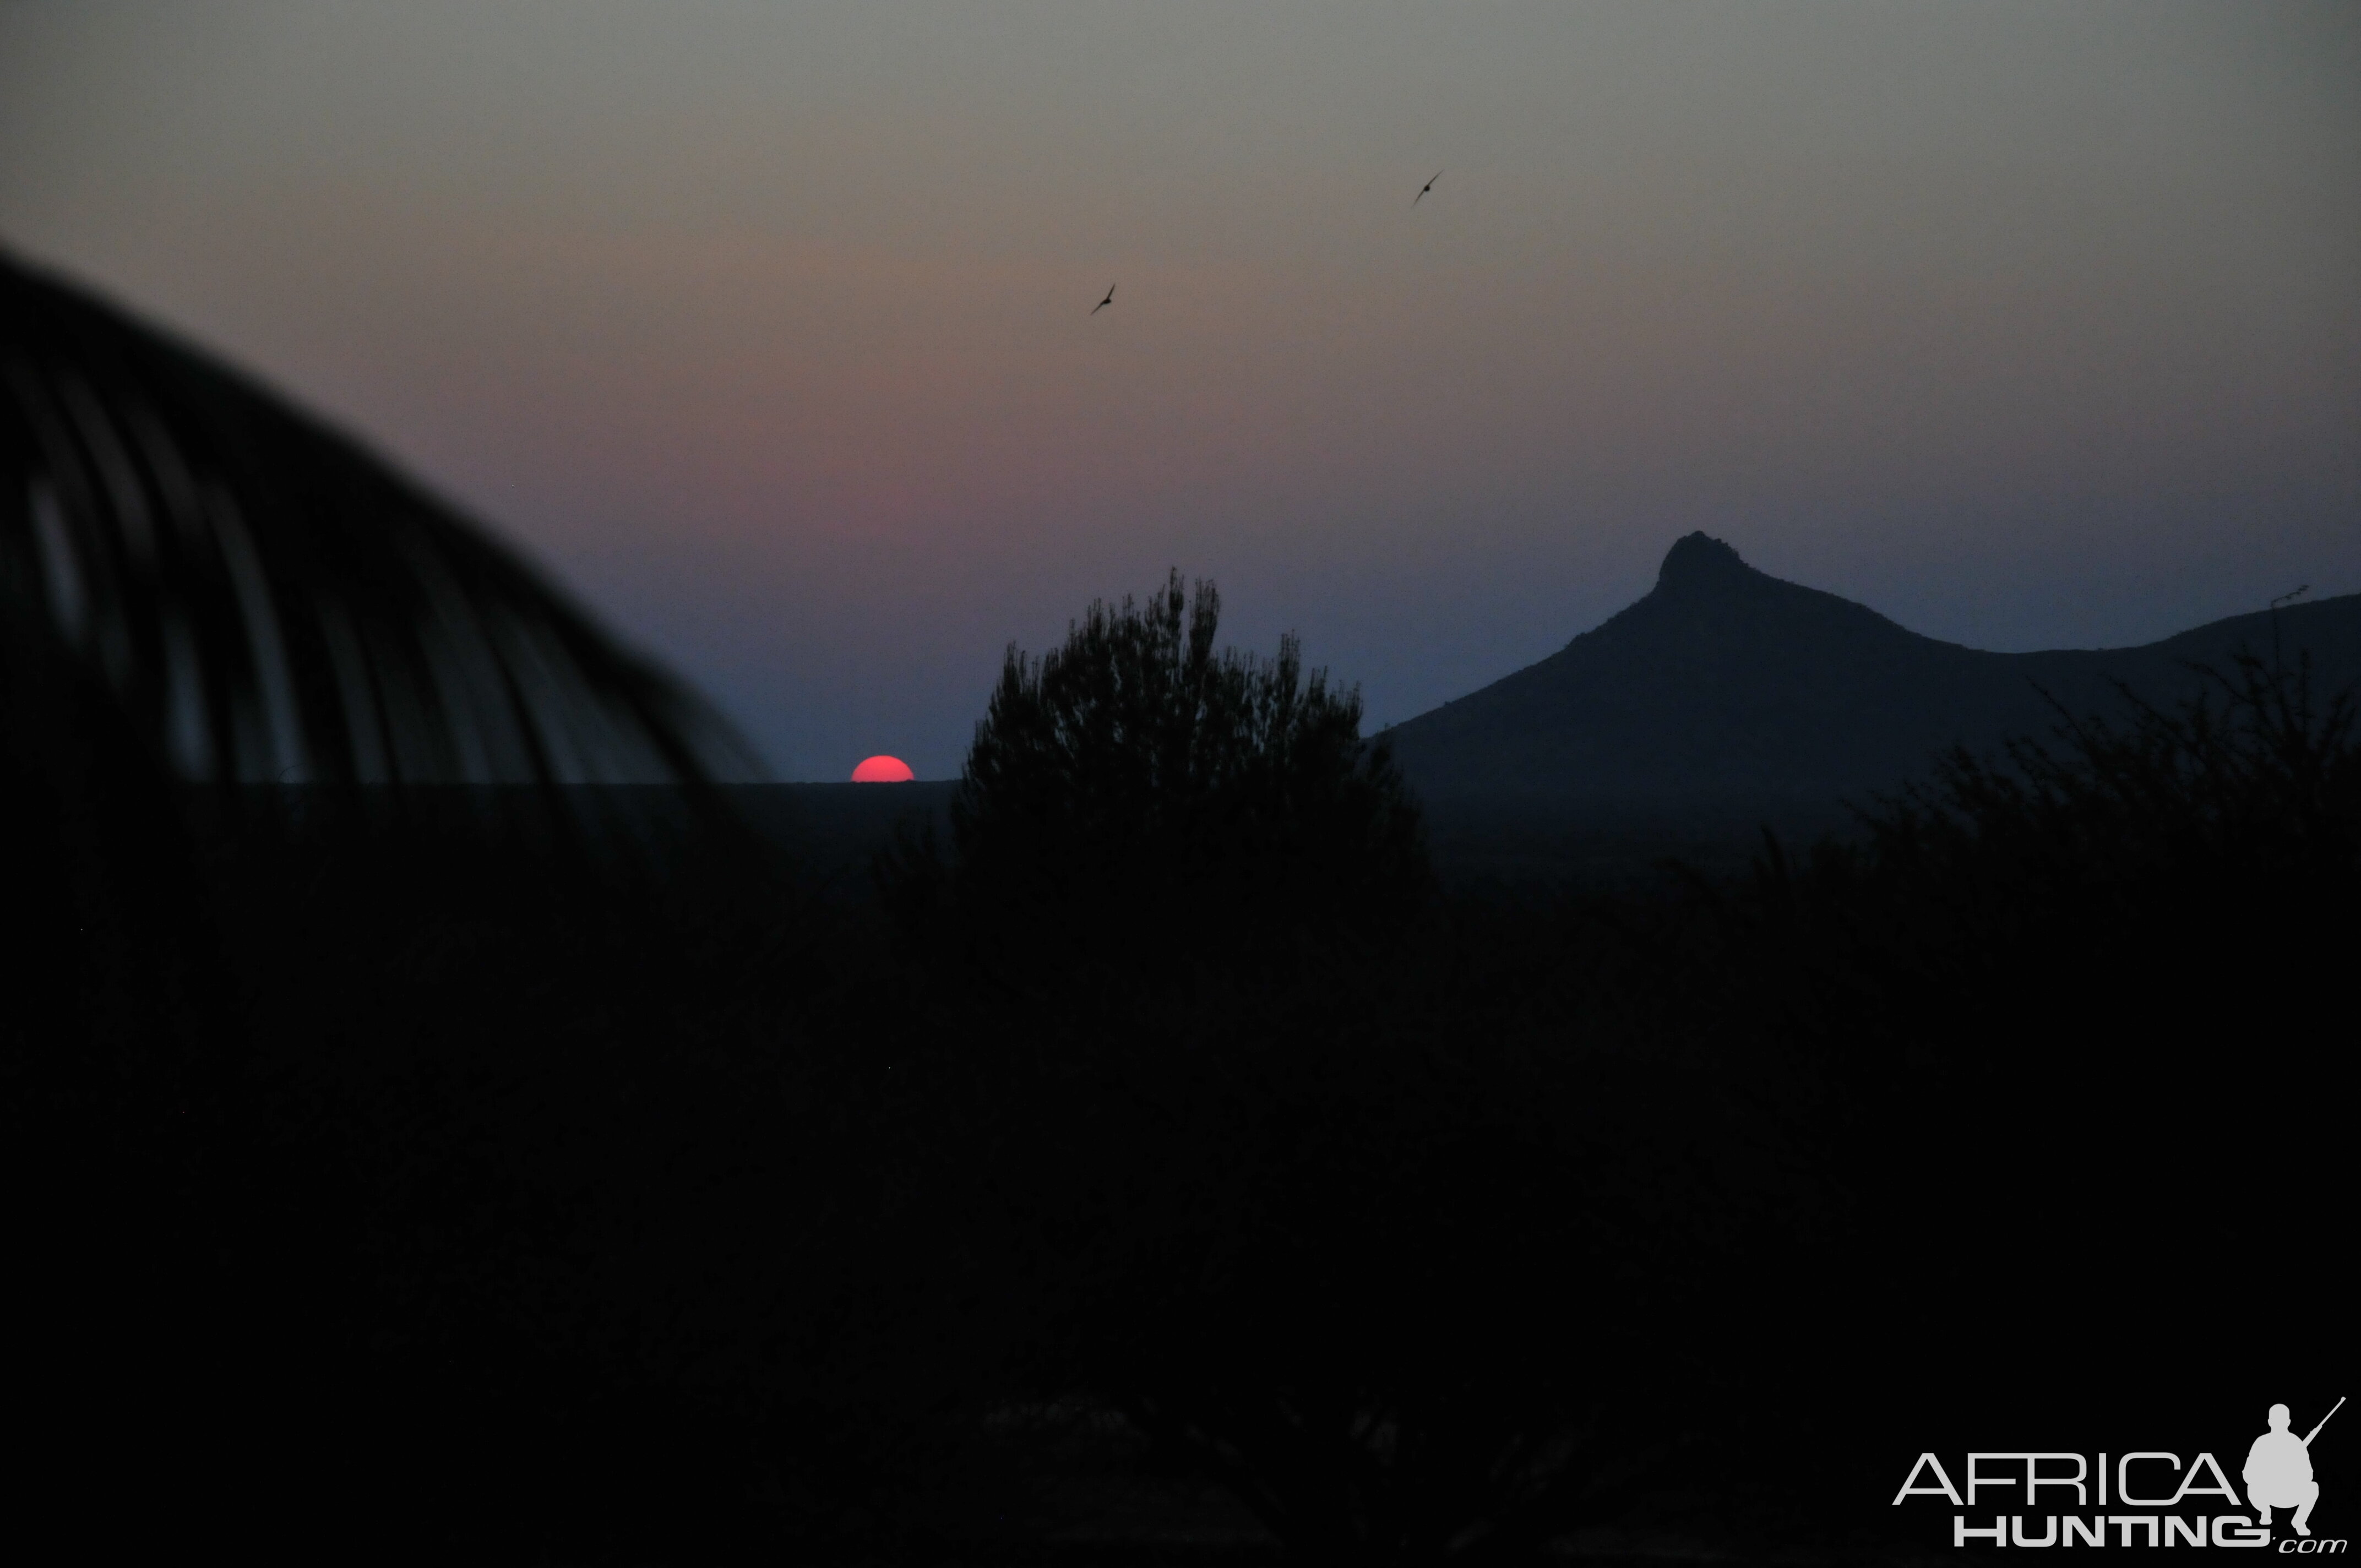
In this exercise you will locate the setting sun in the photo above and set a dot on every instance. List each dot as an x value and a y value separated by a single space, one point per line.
883 770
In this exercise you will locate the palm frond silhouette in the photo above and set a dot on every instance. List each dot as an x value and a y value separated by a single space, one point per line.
264 601
206 593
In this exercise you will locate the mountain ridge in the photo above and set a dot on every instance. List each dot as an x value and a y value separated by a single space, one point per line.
1726 685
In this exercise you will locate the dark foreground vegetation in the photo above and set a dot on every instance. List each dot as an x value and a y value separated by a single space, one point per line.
391 1173
397 1170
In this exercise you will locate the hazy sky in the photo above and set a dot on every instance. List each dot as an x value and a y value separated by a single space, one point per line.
765 325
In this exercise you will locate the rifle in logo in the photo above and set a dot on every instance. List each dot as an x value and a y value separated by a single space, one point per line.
2278 1471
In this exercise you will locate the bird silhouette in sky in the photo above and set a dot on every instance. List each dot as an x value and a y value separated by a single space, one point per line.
1102 304
1422 190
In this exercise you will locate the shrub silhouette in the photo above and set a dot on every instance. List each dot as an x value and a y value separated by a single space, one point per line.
1138 804
2097 916
2054 1019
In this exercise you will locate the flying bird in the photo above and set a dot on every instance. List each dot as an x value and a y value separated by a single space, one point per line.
1102 304
1422 190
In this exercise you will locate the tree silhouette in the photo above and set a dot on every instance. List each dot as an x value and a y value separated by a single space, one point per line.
1151 810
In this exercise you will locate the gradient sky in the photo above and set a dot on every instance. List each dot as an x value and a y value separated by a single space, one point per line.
764 325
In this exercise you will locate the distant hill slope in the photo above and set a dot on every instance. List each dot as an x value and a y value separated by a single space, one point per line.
1726 689
835 830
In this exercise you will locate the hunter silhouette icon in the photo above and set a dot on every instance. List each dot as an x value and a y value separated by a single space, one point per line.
2278 1471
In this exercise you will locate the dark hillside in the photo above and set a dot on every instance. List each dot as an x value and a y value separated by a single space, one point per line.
1726 694
832 831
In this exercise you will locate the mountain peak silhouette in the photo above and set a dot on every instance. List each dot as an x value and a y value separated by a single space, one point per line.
1698 560
1731 689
